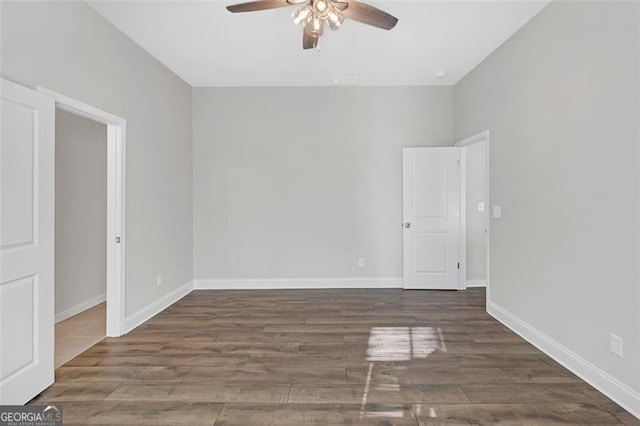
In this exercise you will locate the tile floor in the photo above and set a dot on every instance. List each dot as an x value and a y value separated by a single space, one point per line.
78 333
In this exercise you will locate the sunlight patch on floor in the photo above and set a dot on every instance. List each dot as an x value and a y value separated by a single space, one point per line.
397 344
404 343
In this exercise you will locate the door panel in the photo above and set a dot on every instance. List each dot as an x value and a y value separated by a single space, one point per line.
430 252
26 243
18 313
429 186
431 209
17 174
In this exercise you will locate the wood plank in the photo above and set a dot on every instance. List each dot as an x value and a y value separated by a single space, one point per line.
514 414
59 392
402 375
260 374
199 392
154 413
532 393
120 374
315 414
542 374
377 394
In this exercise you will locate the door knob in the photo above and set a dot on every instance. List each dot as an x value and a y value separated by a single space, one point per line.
407 225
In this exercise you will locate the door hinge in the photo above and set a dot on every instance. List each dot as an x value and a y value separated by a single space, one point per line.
117 240
458 265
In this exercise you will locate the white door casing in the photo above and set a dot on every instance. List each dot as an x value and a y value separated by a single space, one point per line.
431 218
482 137
116 205
26 243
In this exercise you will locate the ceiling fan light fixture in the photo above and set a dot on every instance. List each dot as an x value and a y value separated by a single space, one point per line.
317 12
302 14
335 19
321 6
316 25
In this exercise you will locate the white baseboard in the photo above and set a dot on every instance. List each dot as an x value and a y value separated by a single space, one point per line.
81 307
154 308
623 395
476 283
293 283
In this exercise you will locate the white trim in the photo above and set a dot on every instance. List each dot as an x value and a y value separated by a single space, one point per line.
80 307
475 283
294 283
462 225
81 109
116 203
479 137
154 308
620 393
488 222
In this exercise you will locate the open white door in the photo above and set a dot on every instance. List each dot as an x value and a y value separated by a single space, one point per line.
26 242
431 212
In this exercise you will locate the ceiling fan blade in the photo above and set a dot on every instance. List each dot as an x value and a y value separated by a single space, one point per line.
370 15
253 6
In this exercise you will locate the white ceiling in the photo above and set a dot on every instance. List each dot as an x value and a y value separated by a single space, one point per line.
208 46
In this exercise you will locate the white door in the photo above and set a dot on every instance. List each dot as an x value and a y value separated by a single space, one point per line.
26 242
431 215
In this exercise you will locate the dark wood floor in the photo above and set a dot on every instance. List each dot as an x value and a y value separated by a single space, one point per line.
324 357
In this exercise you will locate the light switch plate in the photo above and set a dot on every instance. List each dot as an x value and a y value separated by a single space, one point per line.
497 212
615 344
480 206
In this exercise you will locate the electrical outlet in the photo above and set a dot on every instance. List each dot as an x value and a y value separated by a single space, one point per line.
615 344
159 280
361 262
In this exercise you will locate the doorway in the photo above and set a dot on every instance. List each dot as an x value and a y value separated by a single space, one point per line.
474 184
115 203
80 234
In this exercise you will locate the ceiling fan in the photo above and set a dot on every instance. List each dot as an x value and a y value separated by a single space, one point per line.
314 14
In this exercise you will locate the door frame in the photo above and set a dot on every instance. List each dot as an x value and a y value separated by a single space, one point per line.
116 203
477 138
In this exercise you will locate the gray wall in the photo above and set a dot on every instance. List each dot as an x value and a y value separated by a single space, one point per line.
81 211
68 48
300 182
476 177
561 101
